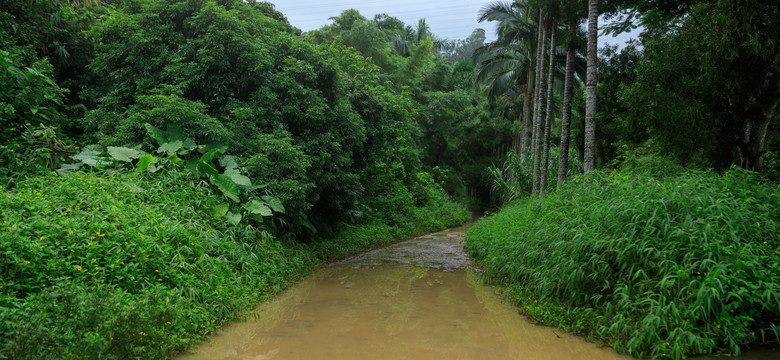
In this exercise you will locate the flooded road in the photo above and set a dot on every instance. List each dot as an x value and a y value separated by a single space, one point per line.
414 300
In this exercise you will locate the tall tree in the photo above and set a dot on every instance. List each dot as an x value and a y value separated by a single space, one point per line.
539 97
572 13
590 86
507 64
549 113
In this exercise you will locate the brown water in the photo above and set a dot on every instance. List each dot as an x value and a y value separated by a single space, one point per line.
414 300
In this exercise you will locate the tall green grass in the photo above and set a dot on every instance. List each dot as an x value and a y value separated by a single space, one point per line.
663 263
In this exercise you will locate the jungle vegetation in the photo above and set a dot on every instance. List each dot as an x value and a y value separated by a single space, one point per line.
166 164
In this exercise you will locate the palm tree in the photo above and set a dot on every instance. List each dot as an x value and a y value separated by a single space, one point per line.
572 16
506 65
549 113
539 97
590 86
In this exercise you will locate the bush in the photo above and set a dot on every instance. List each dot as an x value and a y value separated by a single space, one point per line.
666 265
111 265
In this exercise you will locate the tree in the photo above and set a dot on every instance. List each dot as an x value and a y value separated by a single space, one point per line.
590 86
507 65
539 97
717 110
549 113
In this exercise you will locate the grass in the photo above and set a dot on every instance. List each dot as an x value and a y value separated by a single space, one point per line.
114 266
666 264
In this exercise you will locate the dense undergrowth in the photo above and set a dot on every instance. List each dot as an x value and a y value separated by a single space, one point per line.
114 265
661 263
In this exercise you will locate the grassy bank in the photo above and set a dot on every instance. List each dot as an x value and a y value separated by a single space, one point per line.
114 266
662 265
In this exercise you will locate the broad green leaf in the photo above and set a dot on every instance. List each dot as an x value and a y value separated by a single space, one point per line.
221 210
176 133
233 218
257 207
66 167
192 166
176 160
237 178
227 186
123 153
144 162
274 203
228 162
189 144
95 162
171 147
89 152
213 150
156 134
207 168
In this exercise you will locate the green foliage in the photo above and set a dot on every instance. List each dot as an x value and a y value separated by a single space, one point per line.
178 150
27 94
654 263
715 110
110 265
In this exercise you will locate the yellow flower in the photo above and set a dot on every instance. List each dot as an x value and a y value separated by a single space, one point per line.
97 268
690 229
78 268
159 279
717 326
27 262
42 237
70 231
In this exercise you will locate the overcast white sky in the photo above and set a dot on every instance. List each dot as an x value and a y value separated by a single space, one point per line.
449 19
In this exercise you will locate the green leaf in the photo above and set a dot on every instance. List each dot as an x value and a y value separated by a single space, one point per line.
123 153
227 186
213 151
89 152
207 168
156 134
176 160
274 203
239 179
144 162
257 207
233 218
176 133
228 162
189 144
221 210
192 166
171 147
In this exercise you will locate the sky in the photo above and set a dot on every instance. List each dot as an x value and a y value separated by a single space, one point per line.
448 19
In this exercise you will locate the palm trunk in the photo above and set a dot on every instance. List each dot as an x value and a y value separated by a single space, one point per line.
563 160
590 88
538 103
526 121
549 114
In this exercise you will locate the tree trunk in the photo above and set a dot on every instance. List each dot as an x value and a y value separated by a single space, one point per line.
538 103
563 162
549 112
753 146
590 88
526 120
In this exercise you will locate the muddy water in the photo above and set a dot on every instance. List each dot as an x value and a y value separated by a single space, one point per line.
414 300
